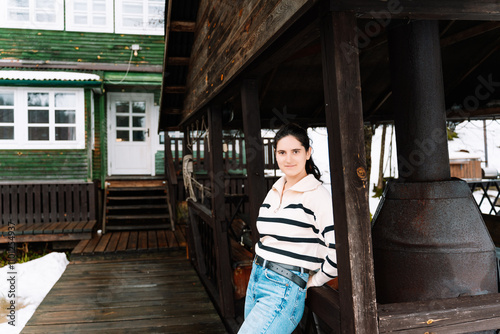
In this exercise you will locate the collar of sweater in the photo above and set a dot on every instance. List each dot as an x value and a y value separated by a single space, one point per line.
308 183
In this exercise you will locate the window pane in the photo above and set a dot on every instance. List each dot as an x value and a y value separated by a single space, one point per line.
38 116
139 135
99 20
132 22
139 107
65 100
6 99
162 139
19 3
122 107
139 122
99 6
38 99
80 6
6 132
156 9
132 8
122 121
45 4
19 16
65 133
65 116
80 19
7 116
122 135
45 17
38 133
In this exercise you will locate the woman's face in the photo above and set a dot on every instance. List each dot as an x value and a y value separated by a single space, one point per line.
292 156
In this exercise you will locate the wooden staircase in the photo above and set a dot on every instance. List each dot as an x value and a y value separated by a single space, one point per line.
136 205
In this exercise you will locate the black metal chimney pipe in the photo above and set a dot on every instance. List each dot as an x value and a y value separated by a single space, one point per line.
429 239
418 95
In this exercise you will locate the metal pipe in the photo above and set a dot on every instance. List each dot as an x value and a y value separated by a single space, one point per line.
418 98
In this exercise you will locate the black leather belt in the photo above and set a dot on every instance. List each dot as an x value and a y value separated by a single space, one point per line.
283 270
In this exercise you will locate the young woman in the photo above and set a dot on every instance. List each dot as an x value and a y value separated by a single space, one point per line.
296 249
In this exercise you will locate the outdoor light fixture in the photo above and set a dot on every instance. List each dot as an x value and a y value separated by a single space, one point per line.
135 48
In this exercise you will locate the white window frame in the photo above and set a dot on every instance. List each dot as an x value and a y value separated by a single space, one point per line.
71 25
32 23
21 125
144 29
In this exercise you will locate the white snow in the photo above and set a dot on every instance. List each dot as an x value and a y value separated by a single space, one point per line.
48 75
470 138
33 280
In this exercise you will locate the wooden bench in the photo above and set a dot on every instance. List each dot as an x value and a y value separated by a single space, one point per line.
47 212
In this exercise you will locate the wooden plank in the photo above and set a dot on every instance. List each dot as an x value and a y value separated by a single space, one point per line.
132 241
59 227
48 237
89 226
79 226
37 201
103 243
426 9
254 151
344 118
123 241
182 26
76 190
22 203
14 202
325 303
53 202
80 247
142 242
172 241
113 242
69 202
162 239
152 241
46 203
91 245
38 228
224 271
61 207
70 227
181 239
452 315
29 205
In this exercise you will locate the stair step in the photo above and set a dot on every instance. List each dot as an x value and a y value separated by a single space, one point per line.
135 207
152 216
137 227
116 189
128 198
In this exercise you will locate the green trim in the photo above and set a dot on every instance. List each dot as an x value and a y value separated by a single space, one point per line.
51 83
134 78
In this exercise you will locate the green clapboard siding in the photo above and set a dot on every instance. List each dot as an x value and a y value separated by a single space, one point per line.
44 165
68 46
160 163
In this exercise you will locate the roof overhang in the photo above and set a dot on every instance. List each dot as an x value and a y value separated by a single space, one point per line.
49 78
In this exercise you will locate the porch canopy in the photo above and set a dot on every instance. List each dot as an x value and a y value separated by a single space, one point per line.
260 64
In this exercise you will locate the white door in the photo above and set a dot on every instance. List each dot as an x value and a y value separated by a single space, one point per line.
129 140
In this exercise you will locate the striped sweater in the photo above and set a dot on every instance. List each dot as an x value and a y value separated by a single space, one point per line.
298 230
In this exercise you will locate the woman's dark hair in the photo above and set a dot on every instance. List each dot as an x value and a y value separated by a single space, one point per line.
295 130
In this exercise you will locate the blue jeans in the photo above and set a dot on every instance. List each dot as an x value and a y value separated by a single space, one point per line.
273 303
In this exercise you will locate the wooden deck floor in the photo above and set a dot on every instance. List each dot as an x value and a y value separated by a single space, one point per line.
139 292
132 241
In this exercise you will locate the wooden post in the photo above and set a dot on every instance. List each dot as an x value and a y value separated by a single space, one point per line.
254 152
344 119
216 173
171 178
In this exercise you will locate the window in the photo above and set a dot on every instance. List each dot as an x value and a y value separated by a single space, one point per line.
42 118
89 15
140 16
32 14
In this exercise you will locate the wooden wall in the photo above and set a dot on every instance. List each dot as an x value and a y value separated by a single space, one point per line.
229 34
66 46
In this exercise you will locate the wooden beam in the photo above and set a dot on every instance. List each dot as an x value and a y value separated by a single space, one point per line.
254 151
174 90
452 315
422 9
344 118
216 173
177 61
469 33
182 26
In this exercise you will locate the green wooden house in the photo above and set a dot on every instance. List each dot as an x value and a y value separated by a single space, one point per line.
80 84
59 123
